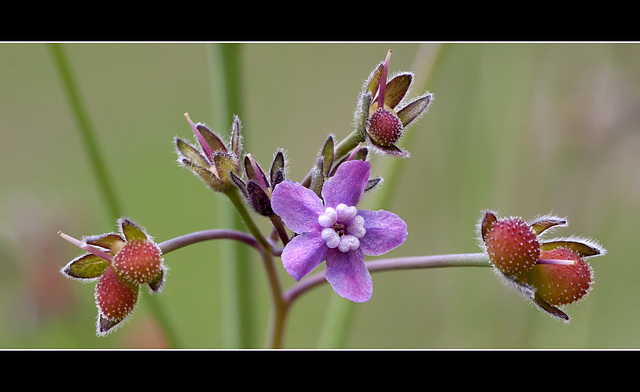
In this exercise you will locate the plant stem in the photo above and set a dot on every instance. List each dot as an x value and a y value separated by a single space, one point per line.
206 235
279 310
336 328
98 166
87 133
235 277
398 263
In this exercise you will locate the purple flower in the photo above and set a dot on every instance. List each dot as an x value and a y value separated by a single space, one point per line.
336 231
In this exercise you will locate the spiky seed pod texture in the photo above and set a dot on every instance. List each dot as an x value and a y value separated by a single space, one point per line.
512 246
560 284
384 127
115 298
138 261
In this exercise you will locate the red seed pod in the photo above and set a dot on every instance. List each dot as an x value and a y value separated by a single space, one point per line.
512 246
115 298
559 284
139 261
384 127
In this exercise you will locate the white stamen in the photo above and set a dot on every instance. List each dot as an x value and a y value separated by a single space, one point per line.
329 218
330 237
348 242
346 213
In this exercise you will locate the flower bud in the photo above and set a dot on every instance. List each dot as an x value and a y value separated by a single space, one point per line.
214 162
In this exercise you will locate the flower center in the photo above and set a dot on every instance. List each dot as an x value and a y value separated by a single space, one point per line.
342 227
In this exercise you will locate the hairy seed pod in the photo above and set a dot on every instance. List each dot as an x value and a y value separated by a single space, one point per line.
558 284
512 246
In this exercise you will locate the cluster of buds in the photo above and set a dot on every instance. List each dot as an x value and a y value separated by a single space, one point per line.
326 165
550 273
379 117
257 189
214 160
120 262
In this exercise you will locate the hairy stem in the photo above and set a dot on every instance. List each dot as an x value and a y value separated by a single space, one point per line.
335 329
398 263
206 235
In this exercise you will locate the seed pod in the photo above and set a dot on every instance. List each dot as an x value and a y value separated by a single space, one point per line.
512 246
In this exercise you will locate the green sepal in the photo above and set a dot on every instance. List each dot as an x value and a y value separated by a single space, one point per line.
362 115
239 183
581 248
259 199
236 138
213 141
157 283
317 177
254 171
105 325
224 164
276 173
488 219
551 310
415 109
547 222
190 153
372 183
111 241
397 88
131 230
390 150
374 80
87 266
327 154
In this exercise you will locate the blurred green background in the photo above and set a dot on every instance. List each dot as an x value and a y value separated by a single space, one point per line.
523 128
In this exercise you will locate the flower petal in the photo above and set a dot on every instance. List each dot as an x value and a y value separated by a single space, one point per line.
298 206
347 185
384 232
303 254
348 275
